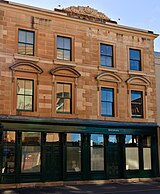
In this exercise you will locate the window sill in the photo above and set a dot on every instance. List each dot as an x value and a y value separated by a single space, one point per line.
65 63
26 57
136 72
111 69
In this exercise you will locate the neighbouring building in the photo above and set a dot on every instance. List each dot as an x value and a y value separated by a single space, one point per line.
77 96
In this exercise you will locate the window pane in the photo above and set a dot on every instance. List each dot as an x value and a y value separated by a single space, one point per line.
21 48
131 140
59 42
30 37
134 54
28 87
135 59
66 55
97 152
135 65
20 102
21 36
9 136
136 104
146 140
52 137
31 138
31 159
8 158
67 43
109 61
28 103
20 86
147 158
103 108
67 105
60 54
132 158
112 139
29 49
73 152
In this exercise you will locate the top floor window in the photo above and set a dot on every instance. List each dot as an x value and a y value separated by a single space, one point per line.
135 59
106 52
64 48
25 42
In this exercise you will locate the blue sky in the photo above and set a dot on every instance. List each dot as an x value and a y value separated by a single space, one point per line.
142 14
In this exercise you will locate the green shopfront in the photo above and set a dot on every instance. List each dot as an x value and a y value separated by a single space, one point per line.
68 149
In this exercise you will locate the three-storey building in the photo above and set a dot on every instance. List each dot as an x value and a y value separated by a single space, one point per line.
77 96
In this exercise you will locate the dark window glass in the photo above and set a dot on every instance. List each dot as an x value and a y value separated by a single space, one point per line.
107 102
31 152
25 42
64 51
73 152
24 95
137 104
8 162
64 98
135 59
106 52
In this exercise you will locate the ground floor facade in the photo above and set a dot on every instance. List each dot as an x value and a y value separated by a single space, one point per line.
45 150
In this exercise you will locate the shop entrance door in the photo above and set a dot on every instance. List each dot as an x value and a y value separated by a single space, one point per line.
113 157
53 159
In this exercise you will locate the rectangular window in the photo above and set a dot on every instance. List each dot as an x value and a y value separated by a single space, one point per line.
25 42
8 162
73 152
106 55
97 152
107 102
64 98
25 91
146 142
64 48
31 152
132 153
135 59
137 104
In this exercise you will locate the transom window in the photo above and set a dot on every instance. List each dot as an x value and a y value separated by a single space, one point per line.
137 104
135 59
64 98
25 94
26 42
107 102
64 51
106 52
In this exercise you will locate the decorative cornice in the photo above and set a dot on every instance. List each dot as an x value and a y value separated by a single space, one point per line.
86 13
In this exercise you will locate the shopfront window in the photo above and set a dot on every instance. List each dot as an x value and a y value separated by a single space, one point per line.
97 152
146 141
31 152
73 152
8 163
132 154
52 137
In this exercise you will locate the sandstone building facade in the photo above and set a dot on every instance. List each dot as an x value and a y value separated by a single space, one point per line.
78 98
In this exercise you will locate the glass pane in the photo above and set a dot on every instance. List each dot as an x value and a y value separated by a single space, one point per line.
8 158
60 54
31 159
73 159
28 87
30 37
134 54
67 106
31 137
97 158
74 137
103 108
9 136
60 90
135 65
60 105
147 158
29 49
21 36
20 102
109 109
67 43
131 140
52 137
136 97
67 55
21 48
132 158
112 139
96 139
103 60
109 61
107 94
28 103
146 141
59 42
20 86
109 50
